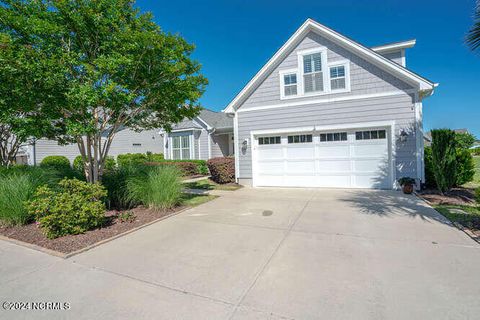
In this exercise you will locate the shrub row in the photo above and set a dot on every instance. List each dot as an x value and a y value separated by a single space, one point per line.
130 159
222 170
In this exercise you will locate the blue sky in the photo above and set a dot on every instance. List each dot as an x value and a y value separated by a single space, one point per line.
235 38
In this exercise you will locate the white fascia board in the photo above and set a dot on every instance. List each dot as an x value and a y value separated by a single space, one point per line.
204 123
368 54
397 46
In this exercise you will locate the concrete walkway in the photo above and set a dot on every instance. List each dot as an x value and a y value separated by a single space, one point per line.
264 254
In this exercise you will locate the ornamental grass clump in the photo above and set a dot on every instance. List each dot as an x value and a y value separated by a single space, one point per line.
72 208
158 188
18 185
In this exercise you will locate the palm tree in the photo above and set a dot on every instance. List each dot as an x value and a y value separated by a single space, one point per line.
473 37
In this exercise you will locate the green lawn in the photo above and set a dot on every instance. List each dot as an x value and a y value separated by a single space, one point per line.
476 179
470 220
193 200
207 184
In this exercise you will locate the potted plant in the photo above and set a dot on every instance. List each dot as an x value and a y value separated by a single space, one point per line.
407 184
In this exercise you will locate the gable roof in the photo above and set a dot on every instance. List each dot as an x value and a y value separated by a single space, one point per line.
368 54
211 119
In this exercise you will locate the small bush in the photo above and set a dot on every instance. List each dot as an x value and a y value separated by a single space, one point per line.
444 158
465 167
131 159
222 170
18 185
57 162
74 208
159 188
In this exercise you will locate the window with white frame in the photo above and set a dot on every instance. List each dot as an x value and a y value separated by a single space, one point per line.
181 147
312 73
338 79
290 84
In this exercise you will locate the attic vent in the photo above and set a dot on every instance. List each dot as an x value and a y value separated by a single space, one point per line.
137 144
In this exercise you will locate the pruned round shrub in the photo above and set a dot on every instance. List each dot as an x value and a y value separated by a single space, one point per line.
72 208
222 170
57 162
78 164
158 188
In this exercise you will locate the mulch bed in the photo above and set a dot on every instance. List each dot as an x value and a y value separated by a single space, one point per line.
31 233
456 196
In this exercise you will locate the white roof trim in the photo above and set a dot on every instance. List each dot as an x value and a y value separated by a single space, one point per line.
366 53
397 46
204 122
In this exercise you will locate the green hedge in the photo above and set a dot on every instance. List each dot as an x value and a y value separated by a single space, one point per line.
129 159
56 162
202 167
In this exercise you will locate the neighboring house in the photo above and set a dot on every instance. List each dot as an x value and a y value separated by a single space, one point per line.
206 136
326 111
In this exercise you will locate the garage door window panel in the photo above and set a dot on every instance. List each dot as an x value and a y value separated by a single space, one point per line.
302 138
333 137
269 140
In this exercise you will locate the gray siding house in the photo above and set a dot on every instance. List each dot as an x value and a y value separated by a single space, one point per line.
206 136
326 111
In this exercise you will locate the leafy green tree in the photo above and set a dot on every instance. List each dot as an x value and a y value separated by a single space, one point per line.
473 36
464 140
29 83
120 69
444 158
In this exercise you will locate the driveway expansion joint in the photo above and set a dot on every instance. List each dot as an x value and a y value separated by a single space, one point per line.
155 284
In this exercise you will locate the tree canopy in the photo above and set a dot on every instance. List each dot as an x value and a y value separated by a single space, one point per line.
473 36
119 69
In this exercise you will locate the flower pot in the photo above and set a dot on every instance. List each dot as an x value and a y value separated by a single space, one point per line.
407 188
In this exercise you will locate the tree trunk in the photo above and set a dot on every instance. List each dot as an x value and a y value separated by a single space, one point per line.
9 146
94 152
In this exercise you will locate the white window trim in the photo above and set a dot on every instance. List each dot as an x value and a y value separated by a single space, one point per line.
326 84
346 65
190 147
282 74
326 75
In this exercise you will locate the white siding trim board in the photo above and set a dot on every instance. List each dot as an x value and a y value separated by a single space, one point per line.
327 100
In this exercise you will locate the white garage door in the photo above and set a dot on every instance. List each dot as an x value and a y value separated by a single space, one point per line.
357 158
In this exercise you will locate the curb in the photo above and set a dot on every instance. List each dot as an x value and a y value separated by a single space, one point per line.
460 227
96 244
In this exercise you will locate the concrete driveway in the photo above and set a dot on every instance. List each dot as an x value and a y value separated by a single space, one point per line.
264 254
